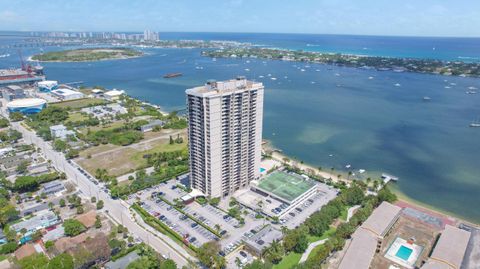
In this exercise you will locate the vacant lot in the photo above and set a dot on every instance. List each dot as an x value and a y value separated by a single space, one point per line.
79 103
120 160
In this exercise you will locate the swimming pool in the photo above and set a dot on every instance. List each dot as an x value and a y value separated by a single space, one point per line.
404 253
262 170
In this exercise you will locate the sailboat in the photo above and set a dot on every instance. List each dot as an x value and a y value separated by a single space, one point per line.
475 123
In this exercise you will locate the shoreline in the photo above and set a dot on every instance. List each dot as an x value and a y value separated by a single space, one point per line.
402 197
30 59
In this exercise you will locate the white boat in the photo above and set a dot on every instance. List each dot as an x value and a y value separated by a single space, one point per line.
447 87
361 171
4 55
370 77
426 98
471 92
472 88
260 76
318 70
397 85
348 166
312 82
246 69
475 124
273 78
303 70
337 74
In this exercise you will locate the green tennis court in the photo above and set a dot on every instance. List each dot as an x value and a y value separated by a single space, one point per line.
285 185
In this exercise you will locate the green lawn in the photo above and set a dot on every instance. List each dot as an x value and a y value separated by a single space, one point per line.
288 261
344 214
108 126
164 147
79 103
3 257
76 116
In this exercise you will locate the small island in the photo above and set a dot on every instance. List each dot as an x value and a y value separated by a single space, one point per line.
428 66
87 55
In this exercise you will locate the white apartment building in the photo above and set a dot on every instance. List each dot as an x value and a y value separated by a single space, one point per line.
225 135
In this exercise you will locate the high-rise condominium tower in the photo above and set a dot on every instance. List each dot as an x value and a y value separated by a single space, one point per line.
225 135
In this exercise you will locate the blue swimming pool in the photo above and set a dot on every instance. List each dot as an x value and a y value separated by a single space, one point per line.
262 170
404 253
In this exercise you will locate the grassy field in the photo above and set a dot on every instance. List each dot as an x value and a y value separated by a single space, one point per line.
76 116
109 126
120 160
288 261
79 103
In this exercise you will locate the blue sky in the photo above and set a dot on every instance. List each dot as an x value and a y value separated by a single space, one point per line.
363 17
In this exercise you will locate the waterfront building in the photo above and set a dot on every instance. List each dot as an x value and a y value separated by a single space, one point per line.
12 92
47 85
113 95
225 135
27 105
67 94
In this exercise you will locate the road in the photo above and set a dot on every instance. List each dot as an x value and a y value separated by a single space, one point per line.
117 209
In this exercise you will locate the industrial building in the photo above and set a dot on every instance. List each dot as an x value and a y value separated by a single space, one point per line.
151 125
113 95
12 92
225 135
27 105
67 94
47 85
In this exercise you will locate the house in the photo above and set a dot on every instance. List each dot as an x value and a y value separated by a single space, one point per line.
42 220
60 131
151 125
113 95
28 250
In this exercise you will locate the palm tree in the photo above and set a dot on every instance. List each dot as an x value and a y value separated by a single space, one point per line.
217 227
349 174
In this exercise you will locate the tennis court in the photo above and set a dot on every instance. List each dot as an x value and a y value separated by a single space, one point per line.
284 185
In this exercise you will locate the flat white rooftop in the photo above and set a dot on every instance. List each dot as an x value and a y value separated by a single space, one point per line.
213 88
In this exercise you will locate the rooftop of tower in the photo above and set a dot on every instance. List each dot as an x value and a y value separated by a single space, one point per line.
213 87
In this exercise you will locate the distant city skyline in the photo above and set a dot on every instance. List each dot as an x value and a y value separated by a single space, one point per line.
370 17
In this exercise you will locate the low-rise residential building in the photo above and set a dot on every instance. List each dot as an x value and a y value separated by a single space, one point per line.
28 250
103 111
151 125
60 131
368 238
449 250
41 220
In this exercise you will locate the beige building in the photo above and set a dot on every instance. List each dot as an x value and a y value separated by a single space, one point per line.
225 135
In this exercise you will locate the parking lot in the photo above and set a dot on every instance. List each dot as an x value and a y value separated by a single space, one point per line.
300 213
180 223
239 257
